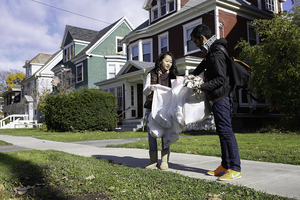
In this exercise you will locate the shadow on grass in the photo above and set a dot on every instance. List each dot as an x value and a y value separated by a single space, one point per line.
29 179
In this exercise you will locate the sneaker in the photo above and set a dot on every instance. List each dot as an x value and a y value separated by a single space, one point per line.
218 172
230 175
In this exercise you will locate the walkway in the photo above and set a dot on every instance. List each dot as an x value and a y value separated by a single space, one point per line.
272 178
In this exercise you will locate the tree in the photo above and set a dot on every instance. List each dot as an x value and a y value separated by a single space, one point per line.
3 76
275 63
14 79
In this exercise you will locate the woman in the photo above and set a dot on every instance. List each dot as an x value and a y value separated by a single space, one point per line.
165 70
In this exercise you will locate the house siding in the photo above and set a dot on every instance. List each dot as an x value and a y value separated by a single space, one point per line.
97 70
78 48
108 46
68 40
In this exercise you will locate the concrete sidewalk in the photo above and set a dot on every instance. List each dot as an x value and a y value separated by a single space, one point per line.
272 178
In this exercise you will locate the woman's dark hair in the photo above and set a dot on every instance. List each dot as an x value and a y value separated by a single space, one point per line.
201 30
173 70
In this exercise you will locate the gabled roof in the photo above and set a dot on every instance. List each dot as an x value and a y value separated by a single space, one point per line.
101 34
44 65
134 65
39 59
80 34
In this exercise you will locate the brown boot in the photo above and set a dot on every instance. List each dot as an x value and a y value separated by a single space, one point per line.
164 160
153 160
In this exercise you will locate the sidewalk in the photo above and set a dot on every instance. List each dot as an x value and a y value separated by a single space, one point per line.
272 178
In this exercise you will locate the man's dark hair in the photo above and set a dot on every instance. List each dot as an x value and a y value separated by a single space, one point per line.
201 30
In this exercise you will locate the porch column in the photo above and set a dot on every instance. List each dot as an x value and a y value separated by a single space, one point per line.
127 100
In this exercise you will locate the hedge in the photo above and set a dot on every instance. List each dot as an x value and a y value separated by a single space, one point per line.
88 109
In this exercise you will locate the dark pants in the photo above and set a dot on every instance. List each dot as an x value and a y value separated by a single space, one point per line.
222 115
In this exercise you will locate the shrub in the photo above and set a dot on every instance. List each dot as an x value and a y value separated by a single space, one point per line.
89 109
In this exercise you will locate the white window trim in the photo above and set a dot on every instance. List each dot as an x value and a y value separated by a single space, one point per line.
140 49
118 66
185 36
158 6
117 38
81 64
163 35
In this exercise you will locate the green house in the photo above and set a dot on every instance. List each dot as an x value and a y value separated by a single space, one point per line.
90 56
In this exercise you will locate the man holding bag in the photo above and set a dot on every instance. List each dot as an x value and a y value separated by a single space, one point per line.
218 88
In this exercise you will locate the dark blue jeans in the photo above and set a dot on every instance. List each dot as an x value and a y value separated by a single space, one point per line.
222 115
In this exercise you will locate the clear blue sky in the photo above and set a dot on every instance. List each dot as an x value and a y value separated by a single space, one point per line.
287 5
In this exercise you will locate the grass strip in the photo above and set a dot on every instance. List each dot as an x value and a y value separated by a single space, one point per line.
267 147
57 175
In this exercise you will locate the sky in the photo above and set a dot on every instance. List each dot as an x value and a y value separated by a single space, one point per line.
30 27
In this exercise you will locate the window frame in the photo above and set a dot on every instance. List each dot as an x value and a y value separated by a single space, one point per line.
139 46
160 37
250 26
270 5
186 27
158 8
118 38
77 66
117 68
68 52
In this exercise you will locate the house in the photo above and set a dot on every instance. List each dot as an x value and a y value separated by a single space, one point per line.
10 99
168 29
91 56
20 102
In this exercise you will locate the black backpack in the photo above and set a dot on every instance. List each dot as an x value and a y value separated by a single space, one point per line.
238 71
239 78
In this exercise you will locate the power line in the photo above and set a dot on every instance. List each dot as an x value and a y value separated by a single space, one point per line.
71 12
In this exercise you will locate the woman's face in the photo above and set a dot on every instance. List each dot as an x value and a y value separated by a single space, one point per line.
166 63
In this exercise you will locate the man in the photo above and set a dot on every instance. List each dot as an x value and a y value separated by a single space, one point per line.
218 89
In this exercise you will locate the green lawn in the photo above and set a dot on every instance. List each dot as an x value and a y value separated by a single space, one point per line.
59 175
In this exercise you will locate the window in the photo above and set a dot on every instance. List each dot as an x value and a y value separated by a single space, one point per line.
163 42
135 53
68 52
189 45
270 5
112 91
141 50
119 45
163 7
79 73
171 6
252 35
111 70
155 14
146 52
119 97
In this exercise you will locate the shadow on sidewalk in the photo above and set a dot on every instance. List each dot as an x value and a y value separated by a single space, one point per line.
141 162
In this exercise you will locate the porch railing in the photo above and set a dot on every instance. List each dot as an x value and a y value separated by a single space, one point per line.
13 118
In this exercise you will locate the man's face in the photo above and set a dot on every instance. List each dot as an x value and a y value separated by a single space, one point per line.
197 42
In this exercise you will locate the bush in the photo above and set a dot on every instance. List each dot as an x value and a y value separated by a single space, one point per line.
89 109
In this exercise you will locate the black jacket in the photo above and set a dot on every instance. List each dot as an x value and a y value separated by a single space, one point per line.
216 77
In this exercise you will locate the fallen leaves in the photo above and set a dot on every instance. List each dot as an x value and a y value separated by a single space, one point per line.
91 177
